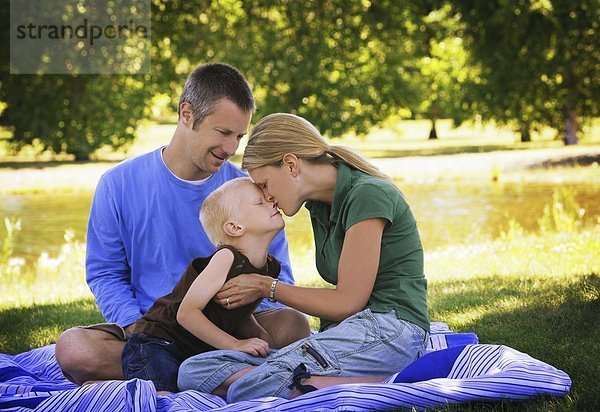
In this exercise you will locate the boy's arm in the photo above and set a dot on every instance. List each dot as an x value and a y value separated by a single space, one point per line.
204 287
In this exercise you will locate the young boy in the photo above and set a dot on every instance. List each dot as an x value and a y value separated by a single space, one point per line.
238 219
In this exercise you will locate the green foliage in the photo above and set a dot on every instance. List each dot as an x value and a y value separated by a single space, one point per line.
538 59
445 73
72 114
75 113
343 65
562 216
514 231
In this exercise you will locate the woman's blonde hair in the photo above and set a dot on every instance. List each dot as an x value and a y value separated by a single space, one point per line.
280 133
219 207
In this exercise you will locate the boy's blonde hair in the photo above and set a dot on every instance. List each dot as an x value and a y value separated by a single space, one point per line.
219 207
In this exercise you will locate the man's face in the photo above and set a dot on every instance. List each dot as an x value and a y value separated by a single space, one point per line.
217 137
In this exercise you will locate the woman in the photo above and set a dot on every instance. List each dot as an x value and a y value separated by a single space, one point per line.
374 322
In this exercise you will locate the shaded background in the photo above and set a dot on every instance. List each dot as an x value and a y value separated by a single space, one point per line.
345 66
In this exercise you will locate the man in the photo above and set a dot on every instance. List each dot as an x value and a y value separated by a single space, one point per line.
144 228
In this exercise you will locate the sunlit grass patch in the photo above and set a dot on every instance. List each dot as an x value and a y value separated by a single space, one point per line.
540 256
50 280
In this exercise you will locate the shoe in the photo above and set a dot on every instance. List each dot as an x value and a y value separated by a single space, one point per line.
300 374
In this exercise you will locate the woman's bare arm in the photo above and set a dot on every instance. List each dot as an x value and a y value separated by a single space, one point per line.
357 271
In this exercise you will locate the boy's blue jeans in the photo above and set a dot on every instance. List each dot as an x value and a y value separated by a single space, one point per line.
155 359
365 344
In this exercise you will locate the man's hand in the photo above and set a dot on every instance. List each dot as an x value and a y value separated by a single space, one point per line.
243 289
253 346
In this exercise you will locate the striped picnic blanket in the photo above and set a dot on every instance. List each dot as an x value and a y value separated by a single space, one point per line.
456 369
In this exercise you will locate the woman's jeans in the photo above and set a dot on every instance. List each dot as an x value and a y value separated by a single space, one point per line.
365 344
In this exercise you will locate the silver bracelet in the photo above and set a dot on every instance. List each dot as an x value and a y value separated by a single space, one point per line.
272 291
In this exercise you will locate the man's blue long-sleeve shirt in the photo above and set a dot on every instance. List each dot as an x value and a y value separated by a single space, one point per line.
144 230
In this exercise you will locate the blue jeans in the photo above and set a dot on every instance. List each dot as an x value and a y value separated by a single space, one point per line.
154 359
365 344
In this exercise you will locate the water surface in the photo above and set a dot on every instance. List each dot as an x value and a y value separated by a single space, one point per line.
447 214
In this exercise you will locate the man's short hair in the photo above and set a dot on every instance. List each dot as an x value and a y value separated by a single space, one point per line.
212 82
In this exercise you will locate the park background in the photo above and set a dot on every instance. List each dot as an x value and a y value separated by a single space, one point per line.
485 114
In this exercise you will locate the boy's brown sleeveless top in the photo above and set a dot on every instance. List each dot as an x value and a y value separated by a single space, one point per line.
161 319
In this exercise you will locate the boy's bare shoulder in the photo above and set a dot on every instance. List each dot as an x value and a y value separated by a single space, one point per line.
224 256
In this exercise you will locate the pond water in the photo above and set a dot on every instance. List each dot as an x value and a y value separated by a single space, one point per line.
447 214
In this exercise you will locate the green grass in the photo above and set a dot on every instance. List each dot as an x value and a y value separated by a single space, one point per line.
32 326
536 292
554 320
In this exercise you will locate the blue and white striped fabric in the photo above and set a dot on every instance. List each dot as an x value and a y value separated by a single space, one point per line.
447 374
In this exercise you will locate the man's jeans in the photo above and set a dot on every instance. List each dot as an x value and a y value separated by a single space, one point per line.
150 358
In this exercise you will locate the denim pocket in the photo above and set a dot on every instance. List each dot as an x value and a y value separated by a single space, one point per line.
356 334
312 352
150 358
409 344
131 360
362 328
318 359
417 330
141 349
389 326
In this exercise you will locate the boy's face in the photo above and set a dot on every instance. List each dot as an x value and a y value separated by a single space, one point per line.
258 215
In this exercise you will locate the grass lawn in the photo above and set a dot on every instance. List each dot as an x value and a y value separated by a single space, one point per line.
539 294
536 292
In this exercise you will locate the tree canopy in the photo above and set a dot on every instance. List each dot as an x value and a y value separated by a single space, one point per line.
345 66
539 60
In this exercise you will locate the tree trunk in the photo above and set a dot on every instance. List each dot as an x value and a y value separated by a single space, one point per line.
571 127
525 130
80 155
80 151
433 131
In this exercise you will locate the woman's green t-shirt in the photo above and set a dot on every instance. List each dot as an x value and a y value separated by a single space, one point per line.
400 283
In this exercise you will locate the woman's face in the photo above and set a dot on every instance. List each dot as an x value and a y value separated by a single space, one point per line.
279 186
